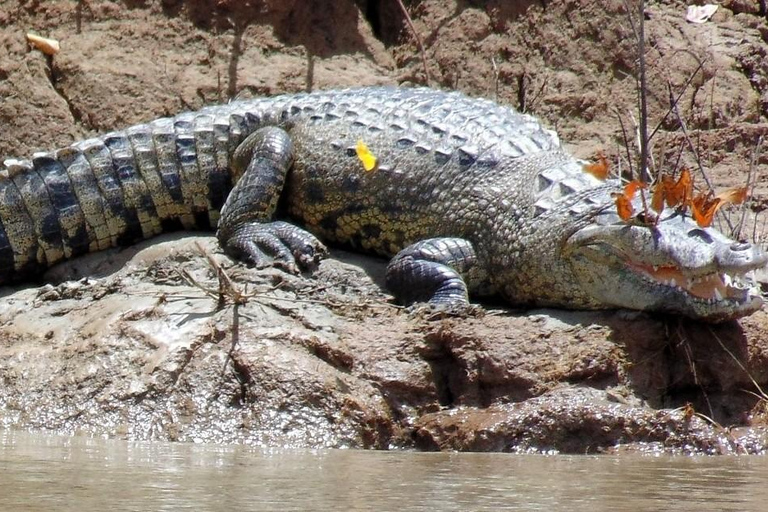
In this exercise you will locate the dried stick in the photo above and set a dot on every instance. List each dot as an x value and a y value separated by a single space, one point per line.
419 44
639 31
626 145
643 97
751 180
674 102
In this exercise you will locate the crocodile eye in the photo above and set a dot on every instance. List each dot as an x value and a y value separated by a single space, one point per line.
701 235
645 219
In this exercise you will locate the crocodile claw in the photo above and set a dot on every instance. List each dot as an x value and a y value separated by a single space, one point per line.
278 244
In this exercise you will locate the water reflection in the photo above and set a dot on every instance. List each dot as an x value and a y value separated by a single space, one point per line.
45 472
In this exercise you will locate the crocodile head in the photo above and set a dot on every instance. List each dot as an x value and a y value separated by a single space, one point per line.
674 266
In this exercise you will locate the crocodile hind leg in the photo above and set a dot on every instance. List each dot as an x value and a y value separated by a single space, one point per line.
246 230
439 271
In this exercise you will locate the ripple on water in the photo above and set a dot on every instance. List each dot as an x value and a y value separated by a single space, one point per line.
85 474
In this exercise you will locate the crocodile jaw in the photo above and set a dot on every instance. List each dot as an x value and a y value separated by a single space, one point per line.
675 267
717 296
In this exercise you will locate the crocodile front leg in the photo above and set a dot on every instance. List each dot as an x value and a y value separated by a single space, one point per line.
439 271
246 230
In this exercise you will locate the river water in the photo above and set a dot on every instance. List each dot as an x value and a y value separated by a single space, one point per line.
39 472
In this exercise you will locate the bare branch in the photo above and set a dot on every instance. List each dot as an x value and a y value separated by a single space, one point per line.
692 148
643 96
674 102
751 180
626 145
419 44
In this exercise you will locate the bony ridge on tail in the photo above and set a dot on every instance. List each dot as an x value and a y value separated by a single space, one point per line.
466 196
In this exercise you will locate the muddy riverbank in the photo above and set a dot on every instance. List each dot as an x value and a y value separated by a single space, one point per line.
140 343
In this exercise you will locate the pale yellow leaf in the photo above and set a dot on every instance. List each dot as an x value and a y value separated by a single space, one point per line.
366 157
45 45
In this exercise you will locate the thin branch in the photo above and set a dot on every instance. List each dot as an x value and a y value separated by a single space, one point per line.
310 78
495 79
696 155
626 144
419 44
739 363
754 229
643 96
674 102
751 180
628 8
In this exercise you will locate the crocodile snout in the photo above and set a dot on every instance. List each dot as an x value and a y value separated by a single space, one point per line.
741 256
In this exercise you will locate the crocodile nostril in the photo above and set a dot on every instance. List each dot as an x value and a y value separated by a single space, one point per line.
740 246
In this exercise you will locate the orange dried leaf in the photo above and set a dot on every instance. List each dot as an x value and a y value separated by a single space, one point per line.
624 199
704 207
660 192
624 207
734 195
681 192
599 169
45 45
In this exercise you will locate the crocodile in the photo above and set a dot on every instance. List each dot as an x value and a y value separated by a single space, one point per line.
466 196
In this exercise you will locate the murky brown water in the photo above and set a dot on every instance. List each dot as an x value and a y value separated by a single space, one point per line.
53 473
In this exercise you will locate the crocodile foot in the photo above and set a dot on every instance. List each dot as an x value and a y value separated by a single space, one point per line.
275 243
436 271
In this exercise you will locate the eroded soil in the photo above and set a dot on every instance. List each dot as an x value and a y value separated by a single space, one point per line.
141 343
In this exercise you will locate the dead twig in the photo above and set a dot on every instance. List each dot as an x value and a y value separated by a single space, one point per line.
644 175
626 145
751 180
642 87
416 37
691 147
739 364
310 78
676 100
495 79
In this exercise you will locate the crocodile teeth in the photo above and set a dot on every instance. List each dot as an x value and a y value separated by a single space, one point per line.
715 287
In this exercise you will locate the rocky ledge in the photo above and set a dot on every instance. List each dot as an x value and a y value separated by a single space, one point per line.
171 340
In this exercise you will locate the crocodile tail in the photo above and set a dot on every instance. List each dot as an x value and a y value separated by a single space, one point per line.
84 198
116 189
19 245
42 216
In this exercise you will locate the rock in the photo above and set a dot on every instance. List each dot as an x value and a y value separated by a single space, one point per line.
148 349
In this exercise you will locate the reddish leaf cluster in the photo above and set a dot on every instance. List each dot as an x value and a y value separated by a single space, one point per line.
600 168
669 192
703 205
624 199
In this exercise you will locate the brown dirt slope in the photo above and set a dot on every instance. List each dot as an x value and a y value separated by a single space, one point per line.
144 351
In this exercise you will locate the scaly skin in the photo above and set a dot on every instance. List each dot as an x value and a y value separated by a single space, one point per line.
468 196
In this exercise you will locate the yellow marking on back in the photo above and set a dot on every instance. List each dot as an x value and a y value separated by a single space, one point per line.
366 157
